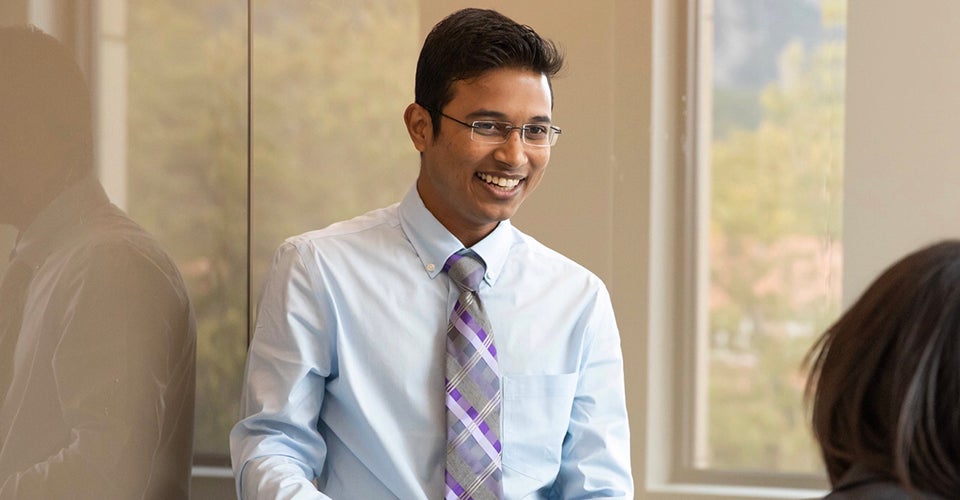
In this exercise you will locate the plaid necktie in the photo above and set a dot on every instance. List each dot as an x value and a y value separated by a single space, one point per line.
473 390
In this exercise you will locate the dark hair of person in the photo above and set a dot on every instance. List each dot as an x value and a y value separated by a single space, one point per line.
470 42
885 378
44 103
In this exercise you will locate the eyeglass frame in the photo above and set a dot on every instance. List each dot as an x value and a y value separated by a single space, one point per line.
553 133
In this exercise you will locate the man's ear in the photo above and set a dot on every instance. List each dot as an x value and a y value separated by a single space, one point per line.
419 126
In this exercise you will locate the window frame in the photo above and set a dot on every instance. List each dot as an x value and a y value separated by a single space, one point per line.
674 261
693 347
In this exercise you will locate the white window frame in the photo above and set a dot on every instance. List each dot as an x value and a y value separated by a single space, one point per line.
693 355
661 253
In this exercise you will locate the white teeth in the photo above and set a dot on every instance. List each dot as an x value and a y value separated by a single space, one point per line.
499 181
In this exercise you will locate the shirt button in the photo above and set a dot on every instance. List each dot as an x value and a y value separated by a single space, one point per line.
431 267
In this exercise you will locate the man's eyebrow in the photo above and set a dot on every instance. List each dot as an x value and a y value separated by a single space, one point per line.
481 114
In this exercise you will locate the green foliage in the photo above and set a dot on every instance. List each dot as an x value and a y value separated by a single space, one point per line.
774 237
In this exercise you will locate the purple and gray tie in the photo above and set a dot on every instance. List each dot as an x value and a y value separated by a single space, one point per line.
473 390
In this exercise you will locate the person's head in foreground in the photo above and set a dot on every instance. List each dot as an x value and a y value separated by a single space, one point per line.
885 379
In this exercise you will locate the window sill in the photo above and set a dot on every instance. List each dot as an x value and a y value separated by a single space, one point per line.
207 471
718 492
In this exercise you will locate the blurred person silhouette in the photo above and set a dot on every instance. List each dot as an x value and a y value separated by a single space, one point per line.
885 384
97 336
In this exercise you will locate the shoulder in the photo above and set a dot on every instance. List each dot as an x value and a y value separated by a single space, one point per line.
861 483
350 239
529 252
874 490
109 260
108 239
359 227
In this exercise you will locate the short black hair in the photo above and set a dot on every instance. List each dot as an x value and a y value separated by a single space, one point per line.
44 103
470 42
885 378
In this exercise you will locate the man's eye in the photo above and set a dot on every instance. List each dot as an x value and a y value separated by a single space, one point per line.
486 128
536 130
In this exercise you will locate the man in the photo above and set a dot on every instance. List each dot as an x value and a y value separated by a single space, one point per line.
96 333
361 382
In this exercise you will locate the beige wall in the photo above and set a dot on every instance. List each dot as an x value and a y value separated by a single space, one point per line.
903 133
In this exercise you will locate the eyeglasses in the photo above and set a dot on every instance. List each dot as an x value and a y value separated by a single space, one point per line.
493 132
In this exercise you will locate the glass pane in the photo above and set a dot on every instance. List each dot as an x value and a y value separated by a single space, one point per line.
168 94
774 224
187 179
330 83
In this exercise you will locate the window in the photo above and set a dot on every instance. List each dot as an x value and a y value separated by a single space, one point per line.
764 239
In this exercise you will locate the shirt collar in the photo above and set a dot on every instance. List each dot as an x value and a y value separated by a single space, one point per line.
434 244
67 213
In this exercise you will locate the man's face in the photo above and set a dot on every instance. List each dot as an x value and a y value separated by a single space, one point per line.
470 186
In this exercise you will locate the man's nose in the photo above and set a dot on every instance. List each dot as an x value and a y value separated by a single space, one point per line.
513 151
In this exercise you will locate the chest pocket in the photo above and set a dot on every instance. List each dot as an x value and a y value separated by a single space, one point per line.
536 413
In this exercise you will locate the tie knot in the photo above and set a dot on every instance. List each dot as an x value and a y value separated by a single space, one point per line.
466 269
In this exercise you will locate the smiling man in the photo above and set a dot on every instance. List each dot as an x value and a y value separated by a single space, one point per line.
430 349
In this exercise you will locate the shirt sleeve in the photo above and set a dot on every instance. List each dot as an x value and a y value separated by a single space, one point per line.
596 449
276 449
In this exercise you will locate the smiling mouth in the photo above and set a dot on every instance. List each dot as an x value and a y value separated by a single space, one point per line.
501 182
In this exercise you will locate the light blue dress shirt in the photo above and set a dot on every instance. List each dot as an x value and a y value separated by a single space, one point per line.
344 380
